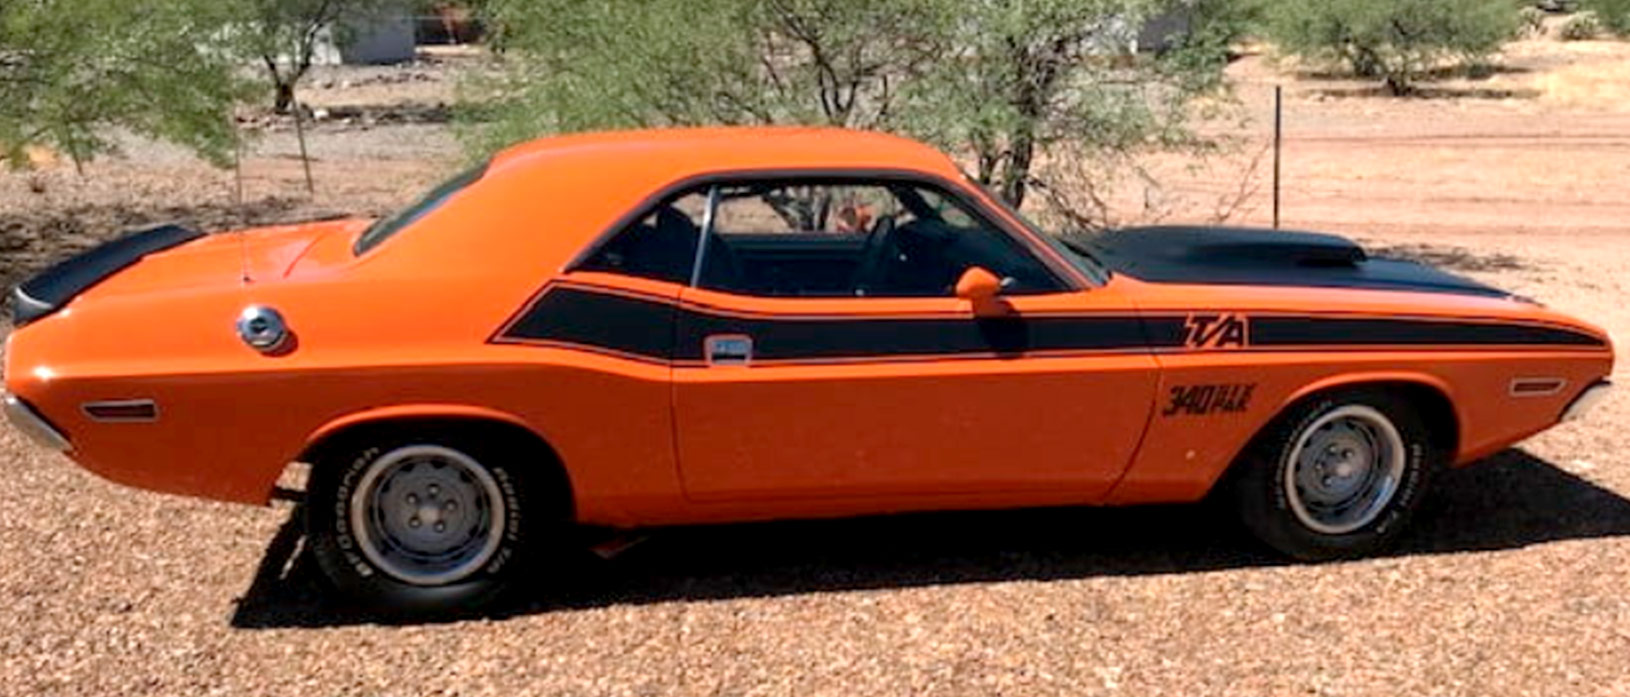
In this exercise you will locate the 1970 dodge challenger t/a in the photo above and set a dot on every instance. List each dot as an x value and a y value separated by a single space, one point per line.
658 328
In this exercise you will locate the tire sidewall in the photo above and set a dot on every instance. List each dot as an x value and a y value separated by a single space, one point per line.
338 551
1265 502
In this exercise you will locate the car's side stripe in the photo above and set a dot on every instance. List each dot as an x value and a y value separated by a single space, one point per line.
621 323
814 339
662 329
1352 331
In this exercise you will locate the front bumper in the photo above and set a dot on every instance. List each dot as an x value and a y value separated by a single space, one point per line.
32 424
1587 400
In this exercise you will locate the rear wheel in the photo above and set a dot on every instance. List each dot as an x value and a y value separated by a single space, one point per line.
1337 476
423 525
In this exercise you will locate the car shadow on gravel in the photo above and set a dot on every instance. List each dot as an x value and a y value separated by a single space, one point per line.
1510 500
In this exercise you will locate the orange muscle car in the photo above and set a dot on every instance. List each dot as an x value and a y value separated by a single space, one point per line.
688 326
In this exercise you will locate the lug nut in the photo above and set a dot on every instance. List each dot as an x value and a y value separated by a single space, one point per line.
412 500
441 527
414 522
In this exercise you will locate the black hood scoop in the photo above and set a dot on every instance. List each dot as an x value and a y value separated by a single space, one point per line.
1250 256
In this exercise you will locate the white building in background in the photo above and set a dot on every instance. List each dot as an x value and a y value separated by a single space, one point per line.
375 40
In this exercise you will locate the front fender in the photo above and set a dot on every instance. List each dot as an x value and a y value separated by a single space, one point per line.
1374 377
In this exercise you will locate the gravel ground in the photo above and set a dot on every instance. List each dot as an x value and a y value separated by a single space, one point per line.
1512 581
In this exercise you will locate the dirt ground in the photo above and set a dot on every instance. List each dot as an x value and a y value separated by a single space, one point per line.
1514 580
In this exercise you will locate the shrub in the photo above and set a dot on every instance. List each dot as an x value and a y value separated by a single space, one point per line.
1611 15
1531 22
1395 40
1581 27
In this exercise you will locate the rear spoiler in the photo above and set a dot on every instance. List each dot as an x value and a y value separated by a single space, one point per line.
52 288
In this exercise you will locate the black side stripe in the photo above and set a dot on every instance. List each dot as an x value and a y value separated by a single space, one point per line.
1347 331
815 339
660 329
625 324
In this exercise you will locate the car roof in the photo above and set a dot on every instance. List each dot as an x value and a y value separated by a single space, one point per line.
542 203
703 150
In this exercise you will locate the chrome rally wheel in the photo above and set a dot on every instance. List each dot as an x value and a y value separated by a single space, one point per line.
427 515
1344 469
1339 474
434 520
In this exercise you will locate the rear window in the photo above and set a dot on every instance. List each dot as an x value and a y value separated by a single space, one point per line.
384 228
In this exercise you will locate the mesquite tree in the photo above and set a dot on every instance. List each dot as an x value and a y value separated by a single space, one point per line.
1396 41
999 81
72 71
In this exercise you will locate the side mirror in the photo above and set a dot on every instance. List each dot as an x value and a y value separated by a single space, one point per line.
980 287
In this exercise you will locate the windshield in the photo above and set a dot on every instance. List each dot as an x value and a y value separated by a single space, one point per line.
1078 254
384 228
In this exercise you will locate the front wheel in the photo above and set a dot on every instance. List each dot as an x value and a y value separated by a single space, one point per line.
420 525
1336 477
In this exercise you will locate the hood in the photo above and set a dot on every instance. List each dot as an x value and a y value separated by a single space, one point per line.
1248 256
172 257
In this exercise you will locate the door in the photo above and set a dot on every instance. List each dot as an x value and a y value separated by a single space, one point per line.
821 352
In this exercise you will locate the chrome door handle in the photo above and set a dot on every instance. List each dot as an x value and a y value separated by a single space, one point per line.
728 349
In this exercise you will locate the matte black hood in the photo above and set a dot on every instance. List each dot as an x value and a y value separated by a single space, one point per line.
1258 257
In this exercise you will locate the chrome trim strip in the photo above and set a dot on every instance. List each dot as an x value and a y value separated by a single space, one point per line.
121 404
33 425
697 264
1536 387
1587 400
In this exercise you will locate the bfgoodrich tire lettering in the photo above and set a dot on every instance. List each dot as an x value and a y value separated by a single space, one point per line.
1337 476
388 566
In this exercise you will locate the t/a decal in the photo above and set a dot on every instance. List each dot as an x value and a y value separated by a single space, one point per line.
1226 330
1203 400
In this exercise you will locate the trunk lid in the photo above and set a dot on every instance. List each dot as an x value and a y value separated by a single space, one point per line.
170 258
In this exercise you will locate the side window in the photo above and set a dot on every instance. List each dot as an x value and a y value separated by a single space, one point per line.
857 239
660 246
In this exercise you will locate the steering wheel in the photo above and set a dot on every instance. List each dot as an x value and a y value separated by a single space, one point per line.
880 244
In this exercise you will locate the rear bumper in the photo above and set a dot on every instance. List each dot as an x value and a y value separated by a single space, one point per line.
31 424
1587 400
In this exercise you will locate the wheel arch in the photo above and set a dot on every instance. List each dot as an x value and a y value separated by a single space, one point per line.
1430 395
348 430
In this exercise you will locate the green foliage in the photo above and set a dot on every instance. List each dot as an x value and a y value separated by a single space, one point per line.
1026 78
622 63
70 70
1612 15
998 80
1396 40
1583 26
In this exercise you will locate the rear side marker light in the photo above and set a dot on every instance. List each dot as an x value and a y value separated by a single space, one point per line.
122 410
